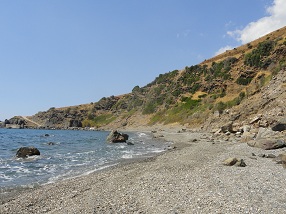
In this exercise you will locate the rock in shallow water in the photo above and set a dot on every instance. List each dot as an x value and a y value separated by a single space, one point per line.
24 152
116 137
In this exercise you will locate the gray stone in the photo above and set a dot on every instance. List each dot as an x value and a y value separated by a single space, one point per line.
240 163
264 133
267 144
246 128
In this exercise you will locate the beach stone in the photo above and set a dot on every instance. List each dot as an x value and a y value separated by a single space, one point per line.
230 161
24 152
116 137
227 127
247 136
240 163
265 133
270 156
281 159
246 128
279 126
267 144
255 119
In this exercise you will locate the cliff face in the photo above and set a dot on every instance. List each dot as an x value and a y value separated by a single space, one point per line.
234 86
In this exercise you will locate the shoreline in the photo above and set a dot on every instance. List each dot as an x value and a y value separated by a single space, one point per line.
187 179
11 191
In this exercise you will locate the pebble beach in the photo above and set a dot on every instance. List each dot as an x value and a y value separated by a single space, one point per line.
188 178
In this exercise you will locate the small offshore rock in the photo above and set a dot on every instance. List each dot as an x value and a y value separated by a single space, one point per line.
24 152
116 137
130 143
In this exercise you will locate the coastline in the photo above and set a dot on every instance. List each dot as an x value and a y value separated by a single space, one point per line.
189 178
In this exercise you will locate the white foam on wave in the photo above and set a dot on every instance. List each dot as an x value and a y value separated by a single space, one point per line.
85 153
122 146
127 156
5 177
98 169
141 134
65 177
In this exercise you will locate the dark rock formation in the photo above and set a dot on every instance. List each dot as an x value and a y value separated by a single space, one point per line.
24 152
279 126
116 137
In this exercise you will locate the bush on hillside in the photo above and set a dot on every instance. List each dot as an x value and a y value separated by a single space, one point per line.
254 58
243 80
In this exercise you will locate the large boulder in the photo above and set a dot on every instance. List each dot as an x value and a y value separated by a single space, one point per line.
227 127
116 137
24 152
267 144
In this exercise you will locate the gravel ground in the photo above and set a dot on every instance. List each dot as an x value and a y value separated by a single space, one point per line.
188 179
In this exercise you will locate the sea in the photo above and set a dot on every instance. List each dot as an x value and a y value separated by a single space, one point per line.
66 154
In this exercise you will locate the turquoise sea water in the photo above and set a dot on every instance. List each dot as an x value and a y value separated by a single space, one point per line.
73 153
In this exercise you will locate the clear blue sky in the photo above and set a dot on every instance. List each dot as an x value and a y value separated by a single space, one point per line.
56 53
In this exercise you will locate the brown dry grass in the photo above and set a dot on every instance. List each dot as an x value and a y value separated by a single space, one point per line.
239 51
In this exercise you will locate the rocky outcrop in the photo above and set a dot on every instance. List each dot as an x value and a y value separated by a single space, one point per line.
15 122
24 152
116 137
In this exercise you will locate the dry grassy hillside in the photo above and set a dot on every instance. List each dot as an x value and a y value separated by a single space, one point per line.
235 85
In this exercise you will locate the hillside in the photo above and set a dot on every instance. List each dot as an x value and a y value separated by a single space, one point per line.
238 85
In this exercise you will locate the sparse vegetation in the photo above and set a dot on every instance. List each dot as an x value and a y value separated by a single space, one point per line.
255 57
244 80
98 121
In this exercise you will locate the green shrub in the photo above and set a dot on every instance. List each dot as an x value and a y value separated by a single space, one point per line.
254 58
149 108
220 106
244 80
202 95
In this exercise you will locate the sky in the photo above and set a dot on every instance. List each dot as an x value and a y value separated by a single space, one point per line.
56 53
